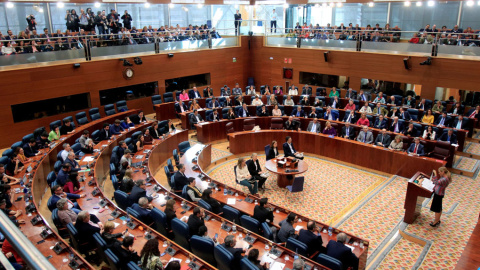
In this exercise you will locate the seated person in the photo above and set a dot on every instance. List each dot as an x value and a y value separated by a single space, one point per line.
438 107
58 194
404 114
380 122
348 132
380 110
276 111
305 101
366 109
14 166
263 111
409 102
262 213
396 144
230 114
125 252
312 238
410 130
180 107
362 96
127 124
75 167
429 133
144 209
12 215
331 114
329 129
239 101
428 117
42 140
290 124
422 105
286 228
392 100
229 244
213 104
298 112
154 132
86 228
335 103
207 197
443 120
147 138
457 109
380 98
289 101
350 117
394 112
214 116
138 118
66 128
272 100
257 101
108 236
139 191
30 148
416 148
474 112
289 150
383 139
227 103
350 106
396 126
252 256
460 123
243 111
365 135
195 221
339 251
116 128
54 134
273 152
192 191
313 114
196 118
256 171
314 126
244 178
448 136
105 133
363 120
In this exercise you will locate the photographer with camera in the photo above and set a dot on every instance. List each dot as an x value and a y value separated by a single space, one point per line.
32 24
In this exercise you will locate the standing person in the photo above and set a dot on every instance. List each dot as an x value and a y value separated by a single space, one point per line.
127 20
100 21
32 24
84 17
72 20
441 182
273 21
238 22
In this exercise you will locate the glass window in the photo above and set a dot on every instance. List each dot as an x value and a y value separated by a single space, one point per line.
58 14
178 15
469 17
3 19
321 15
348 13
197 15
187 82
374 15
16 16
222 18
142 16
130 92
414 18
324 80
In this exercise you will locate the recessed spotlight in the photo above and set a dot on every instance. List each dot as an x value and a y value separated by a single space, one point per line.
171 5
406 3
147 5
371 4
97 4
40 10
285 5
418 4
60 5
199 5
339 4
10 5
331 5
431 3
470 3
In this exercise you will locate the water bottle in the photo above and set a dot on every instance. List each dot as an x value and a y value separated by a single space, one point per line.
128 217
225 190
330 230
296 254
234 227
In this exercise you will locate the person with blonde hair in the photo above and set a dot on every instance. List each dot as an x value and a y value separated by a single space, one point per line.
441 181
244 178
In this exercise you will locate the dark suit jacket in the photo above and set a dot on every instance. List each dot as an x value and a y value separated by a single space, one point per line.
216 206
290 125
420 150
194 223
85 232
406 116
177 107
313 242
54 199
271 153
136 119
262 214
124 256
385 140
260 113
343 253
381 125
29 151
227 104
391 127
334 115
193 119
103 135
210 104
153 133
294 113
349 95
145 216
286 150
444 137
237 256
212 117
180 180
73 164
240 112
425 107
353 118
137 193
251 167
459 110
445 123
463 125
351 132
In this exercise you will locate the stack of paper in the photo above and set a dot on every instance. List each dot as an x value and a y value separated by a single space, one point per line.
231 201
428 184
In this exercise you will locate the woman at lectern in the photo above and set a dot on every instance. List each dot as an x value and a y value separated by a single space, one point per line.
441 182
273 151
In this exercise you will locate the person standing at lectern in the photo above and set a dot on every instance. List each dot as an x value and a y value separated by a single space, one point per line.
441 181
238 22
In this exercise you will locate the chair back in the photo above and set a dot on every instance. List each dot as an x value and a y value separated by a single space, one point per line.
121 106
113 261
229 128
248 124
121 198
160 221
38 131
205 205
297 185
81 118
175 156
133 266
250 223
203 248
276 123
329 262
185 194
51 177
17 144
109 109
57 123
76 147
163 127
7 153
62 230
181 232
27 138
267 232
133 212
320 90
168 97
223 257
115 183
267 149
73 233
413 114
231 214
246 264
101 246
156 99
94 114
441 150
297 246
183 146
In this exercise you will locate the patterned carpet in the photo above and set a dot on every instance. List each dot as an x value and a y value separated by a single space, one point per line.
472 148
466 164
378 216
218 154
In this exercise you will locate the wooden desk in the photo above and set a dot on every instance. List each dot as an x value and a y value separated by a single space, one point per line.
380 159
204 160
414 197
285 178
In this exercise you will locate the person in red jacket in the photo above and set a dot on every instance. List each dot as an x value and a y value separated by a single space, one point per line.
363 121
12 255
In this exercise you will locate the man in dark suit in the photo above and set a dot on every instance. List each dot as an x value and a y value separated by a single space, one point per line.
348 132
87 225
314 126
180 107
459 122
416 148
243 111
298 112
312 238
448 137
457 109
380 122
229 244
404 114
154 132
262 213
474 113
362 96
195 221
396 126
212 104
194 94
288 149
180 178
66 128
443 120
228 102
196 118
350 118
339 251
307 90
125 252
255 171
422 105
214 116
30 148
289 124
139 191
350 94
335 102
263 111
143 208
73 163
63 175
331 114
58 194
104 133
383 139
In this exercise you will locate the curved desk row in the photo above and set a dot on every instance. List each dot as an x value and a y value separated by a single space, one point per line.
354 152
199 156
214 224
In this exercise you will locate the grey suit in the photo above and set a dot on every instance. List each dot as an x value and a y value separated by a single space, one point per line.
318 128
368 139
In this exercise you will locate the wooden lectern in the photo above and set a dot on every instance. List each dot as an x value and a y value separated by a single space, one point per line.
415 196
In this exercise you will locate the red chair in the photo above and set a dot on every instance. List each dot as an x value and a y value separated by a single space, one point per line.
248 124
277 123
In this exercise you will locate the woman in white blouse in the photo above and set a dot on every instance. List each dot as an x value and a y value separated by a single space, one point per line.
366 109
289 101
276 111
293 91
429 133
244 178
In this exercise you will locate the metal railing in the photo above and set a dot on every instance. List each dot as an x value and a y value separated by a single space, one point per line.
24 247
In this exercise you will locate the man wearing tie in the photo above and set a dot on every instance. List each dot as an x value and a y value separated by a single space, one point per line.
380 122
365 136
213 104
422 105
416 148
350 118
396 126
298 112
243 112
228 102
383 139
331 115
180 107
288 148
196 118
404 114
314 126
30 148
362 96
474 113
350 94
449 137
335 103
214 116
195 93
237 90
380 110
348 132
459 122
443 121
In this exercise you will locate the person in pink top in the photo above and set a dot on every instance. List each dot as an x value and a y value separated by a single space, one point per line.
441 182
350 106
363 121
184 95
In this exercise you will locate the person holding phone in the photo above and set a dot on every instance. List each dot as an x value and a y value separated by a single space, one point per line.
108 235
203 232
229 244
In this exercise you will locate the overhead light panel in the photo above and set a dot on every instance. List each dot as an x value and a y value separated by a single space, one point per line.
431 3
418 4
407 3
371 4
60 5
470 3
10 5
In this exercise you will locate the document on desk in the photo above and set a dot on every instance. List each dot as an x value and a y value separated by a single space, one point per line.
428 184
277 266
266 258
139 156
231 201
298 228
88 159
351 247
